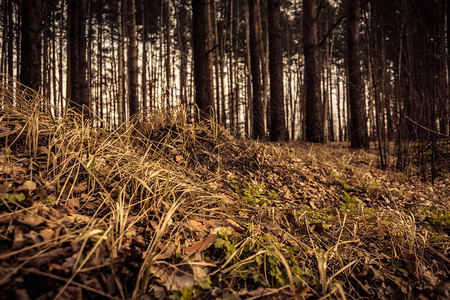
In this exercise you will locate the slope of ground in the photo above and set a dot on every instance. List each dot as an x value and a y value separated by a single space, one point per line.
163 208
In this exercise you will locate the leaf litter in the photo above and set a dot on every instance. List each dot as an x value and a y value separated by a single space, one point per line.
165 208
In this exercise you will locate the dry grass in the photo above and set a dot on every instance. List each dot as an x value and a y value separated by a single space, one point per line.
162 206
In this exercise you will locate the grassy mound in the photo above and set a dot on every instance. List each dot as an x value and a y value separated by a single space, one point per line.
162 207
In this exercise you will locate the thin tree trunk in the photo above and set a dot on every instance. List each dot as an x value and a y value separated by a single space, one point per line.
314 110
278 130
359 138
30 73
132 59
203 76
168 48
256 70
144 55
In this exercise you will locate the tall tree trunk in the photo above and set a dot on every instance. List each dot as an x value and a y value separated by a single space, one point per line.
278 130
216 48
168 46
256 69
77 83
203 76
10 43
314 110
144 54
30 70
181 25
121 58
99 104
132 59
358 134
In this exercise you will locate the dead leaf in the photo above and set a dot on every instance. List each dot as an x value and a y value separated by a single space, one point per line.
31 220
172 280
79 189
4 187
195 225
19 239
27 186
202 245
46 234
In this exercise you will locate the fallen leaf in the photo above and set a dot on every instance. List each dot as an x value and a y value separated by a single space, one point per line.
4 187
202 245
195 225
173 281
27 186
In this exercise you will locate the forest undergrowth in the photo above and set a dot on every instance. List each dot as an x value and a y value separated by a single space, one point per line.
165 208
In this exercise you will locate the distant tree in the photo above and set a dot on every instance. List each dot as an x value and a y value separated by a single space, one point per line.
203 73
30 67
132 59
358 127
256 58
314 110
278 129
77 87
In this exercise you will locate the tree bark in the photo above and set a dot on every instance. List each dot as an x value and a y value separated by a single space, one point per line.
132 59
203 76
256 69
358 133
314 109
30 68
77 83
278 130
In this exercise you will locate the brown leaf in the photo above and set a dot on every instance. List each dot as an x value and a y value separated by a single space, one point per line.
202 245
195 225
47 234
4 187
172 280
31 220
27 186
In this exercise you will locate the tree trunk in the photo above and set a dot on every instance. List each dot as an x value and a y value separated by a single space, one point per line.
77 64
168 47
144 54
203 76
132 59
358 133
314 110
256 70
278 130
30 70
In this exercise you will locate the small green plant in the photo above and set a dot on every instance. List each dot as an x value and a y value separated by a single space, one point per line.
346 187
437 219
223 244
254 193
11 199
188 293
350 203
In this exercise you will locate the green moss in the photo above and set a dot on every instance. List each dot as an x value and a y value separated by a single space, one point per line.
437 219
255 194
350 203
11 200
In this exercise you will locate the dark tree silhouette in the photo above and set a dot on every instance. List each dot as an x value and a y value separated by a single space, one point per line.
132 59
256 69
77 87
314 111
203 75
30 71
278 129
358 127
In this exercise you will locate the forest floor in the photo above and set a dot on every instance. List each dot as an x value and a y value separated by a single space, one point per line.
165 208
